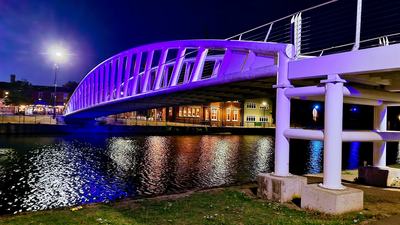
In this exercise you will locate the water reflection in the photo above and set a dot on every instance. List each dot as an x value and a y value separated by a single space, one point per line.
155 165
353 155
261 158
217 160
64 173
315 152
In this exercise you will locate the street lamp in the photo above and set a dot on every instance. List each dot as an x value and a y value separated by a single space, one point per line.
55 87
57 53
264 104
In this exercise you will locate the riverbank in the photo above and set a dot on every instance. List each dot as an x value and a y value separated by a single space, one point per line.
10 128
229 205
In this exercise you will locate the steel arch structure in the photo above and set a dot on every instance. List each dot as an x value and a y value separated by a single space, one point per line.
143 73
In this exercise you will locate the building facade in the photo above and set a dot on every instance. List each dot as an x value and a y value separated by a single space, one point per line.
258 112
41 98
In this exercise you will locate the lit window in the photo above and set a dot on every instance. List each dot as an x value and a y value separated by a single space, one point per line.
264 106
251 105
214 113
228 114
170 111
207 115
189 111
198 112
185 111
250 118
41 96
180 111
235 115
263 119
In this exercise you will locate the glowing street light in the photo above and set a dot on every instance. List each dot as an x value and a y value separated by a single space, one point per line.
58 54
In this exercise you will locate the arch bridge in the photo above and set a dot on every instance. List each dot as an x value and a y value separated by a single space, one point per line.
199 71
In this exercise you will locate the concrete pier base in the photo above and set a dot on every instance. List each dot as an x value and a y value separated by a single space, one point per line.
378 176
331 201
282 189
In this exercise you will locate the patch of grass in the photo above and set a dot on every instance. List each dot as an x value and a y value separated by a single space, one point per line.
349 173
396 166
372 199
229 206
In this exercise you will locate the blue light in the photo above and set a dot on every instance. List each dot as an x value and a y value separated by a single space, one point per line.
355 109
316 106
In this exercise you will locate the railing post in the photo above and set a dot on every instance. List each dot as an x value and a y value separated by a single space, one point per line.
358 26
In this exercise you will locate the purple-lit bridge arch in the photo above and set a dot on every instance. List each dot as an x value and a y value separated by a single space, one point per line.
200 71
218 70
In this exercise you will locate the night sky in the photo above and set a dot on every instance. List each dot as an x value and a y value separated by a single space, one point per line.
94 30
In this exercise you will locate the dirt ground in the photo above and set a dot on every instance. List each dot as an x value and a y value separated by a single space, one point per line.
377 200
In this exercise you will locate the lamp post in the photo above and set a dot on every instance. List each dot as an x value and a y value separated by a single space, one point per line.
264 104
57 55
55 86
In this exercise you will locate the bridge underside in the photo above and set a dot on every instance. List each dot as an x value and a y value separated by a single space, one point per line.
250 84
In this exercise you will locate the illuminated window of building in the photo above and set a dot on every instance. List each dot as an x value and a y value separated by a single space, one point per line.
198 112
180 111
236 101
264 107
41 96
65 96
250 118
189 111
228 114
170 111
185 111
235 115
251 105
207 115
214 113
263 119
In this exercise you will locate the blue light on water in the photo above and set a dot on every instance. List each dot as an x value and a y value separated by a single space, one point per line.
314 164
353 155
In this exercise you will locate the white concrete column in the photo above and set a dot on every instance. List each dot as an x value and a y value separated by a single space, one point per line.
282 118
380 124
333 132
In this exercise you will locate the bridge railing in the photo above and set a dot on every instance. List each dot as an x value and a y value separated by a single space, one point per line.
331 27
146 68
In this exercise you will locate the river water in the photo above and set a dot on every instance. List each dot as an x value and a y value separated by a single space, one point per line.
44 172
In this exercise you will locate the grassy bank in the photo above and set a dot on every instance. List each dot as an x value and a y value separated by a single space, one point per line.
221 206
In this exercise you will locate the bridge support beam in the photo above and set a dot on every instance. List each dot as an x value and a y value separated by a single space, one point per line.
379 174
281 185
331 196
380 121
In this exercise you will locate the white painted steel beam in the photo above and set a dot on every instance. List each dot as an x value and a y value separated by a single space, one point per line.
305 91
161 68
127 74
380 59
333 132
347 136
379 147
136 73
282 118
